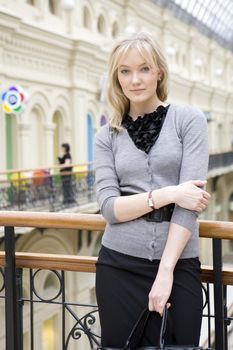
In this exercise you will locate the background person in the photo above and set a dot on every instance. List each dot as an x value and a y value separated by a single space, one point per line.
66 177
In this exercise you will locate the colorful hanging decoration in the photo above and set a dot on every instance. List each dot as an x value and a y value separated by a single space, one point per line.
14 100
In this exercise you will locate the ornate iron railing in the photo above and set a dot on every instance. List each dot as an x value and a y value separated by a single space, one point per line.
220 160
84 324
53 190
47 189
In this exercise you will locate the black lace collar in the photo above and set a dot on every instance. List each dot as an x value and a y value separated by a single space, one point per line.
144 131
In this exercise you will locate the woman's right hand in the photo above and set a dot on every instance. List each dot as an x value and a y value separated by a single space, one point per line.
190 196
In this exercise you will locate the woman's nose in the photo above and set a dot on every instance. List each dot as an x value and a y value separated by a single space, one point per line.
135 78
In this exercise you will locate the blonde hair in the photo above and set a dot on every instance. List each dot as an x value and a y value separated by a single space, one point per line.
148 48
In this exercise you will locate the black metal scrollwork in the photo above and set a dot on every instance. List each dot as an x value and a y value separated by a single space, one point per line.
2 285
82 326
56 273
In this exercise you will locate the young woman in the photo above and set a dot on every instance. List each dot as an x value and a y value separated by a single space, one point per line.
66 177
151 163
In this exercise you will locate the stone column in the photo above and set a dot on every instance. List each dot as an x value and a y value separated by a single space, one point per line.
2 114
24 150
2 140
79 132
49 134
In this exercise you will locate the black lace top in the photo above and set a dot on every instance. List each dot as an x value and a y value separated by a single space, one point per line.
144 131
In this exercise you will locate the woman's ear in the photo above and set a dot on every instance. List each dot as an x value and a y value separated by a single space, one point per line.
160 75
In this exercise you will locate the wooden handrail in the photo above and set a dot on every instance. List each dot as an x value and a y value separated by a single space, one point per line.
52 262
88 264
55 166
95 222
52 220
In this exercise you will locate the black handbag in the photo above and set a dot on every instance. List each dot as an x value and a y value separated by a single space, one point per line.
137 332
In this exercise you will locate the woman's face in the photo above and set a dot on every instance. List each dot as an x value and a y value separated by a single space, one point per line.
137 78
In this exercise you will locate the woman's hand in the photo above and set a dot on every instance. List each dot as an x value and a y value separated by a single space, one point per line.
160 291
189 195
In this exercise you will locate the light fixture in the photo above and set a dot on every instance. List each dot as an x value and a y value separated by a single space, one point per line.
198 62
218 71
171 50
68 5
218 208
230 206
130 29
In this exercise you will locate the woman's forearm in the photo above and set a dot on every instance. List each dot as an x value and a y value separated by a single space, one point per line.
187 195
160 292
178 237
131 207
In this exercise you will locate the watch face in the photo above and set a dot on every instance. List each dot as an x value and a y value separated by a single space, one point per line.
150 202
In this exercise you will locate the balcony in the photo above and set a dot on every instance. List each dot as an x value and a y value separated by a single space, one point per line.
76 322
43 189
48 189
220 164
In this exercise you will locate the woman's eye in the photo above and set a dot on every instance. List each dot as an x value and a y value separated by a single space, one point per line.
145 69
124 71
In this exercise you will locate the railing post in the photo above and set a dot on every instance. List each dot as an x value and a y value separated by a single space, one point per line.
220 341
10 291
19 295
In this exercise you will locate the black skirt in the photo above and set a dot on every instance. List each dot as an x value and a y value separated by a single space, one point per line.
123 283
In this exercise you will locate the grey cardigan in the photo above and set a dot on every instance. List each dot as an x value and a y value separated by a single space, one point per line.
179 154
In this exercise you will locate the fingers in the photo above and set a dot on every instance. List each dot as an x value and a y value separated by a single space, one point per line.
158 307
204 202
157 303
198 183
206 195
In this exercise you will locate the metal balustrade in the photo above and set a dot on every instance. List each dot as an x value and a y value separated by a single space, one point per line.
47 189
84 322
221 160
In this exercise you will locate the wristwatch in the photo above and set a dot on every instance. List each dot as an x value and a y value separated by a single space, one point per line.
150 201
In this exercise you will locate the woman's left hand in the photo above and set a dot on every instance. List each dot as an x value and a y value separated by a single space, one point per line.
160 291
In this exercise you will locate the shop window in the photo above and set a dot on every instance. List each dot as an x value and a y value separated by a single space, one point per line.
101 25
86 18
53 7
115 29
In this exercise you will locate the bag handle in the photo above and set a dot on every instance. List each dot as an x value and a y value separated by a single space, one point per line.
140 325
163 328
138 329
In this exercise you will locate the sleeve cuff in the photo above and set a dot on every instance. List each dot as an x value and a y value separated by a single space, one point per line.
107 210
184 217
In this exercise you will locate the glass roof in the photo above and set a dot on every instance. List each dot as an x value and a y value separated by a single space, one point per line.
213 18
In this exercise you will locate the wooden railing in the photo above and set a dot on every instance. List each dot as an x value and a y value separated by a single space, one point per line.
207 228
87 264
52 169
215 230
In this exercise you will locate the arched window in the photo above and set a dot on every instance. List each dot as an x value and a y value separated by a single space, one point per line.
31 2
51 282
115 29
103 120
48 334
53 7
86 18
101 25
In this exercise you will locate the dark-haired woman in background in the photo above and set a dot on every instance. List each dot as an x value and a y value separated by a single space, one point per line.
66 175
